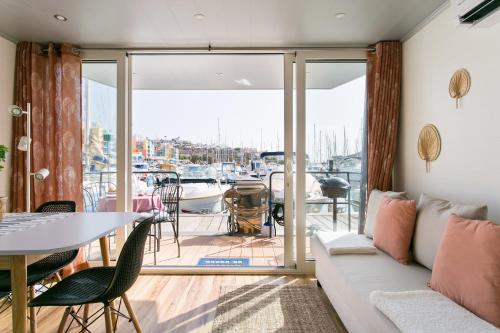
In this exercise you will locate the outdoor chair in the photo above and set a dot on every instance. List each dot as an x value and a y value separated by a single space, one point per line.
167 212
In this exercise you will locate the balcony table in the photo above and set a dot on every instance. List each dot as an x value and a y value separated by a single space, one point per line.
40 235
140 203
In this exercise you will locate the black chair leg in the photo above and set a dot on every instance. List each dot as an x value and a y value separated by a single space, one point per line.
176 239
155 245
158 237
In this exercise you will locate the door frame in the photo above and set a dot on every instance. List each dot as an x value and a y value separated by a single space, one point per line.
123 159
302 57
295 257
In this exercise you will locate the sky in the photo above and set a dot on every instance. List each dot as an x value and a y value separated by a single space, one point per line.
243 114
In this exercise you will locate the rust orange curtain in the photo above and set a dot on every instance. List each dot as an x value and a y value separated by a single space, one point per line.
384 98
51 81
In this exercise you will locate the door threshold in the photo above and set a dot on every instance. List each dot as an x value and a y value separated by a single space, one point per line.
191 270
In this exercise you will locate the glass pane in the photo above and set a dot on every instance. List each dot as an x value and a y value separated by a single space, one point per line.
99 137
335 108
208 119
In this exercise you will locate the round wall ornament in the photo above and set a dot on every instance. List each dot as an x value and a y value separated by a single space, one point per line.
459 85
429 145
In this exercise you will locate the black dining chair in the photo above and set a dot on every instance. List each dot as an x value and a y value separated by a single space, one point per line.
48 266
101 285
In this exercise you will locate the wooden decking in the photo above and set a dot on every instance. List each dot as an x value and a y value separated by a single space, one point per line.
205 236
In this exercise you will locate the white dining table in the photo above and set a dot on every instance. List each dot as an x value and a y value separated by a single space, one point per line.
43 235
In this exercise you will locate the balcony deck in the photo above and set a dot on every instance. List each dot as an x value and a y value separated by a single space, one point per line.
205 236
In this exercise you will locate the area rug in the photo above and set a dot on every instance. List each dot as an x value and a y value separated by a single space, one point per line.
275 308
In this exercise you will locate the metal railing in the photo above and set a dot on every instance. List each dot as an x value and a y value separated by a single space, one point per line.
327 201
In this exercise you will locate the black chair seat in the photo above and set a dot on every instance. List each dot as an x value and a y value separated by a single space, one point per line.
34 276
44 268
83 287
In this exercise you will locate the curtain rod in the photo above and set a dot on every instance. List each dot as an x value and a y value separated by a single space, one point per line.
227 49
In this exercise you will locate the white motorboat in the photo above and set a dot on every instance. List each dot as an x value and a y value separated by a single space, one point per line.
202 197
201 191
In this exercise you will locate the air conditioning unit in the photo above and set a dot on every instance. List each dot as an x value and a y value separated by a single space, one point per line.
475 11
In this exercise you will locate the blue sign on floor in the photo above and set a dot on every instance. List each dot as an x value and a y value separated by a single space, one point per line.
228 262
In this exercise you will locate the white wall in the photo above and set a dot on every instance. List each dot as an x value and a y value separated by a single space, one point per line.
468 169
7 63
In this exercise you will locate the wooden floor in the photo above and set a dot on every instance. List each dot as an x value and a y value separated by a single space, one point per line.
178 304
205 236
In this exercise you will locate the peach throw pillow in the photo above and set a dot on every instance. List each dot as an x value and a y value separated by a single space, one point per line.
394 227
467 266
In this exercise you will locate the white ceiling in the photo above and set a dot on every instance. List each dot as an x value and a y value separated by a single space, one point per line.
227 23
220 72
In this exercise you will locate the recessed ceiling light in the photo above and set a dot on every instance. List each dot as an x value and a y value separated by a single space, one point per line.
243 82
60 17
199 16
219 74
340 15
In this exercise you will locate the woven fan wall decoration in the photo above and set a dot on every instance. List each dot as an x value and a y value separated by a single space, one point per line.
459 85
429 145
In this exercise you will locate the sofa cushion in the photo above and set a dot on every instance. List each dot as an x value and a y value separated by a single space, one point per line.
432 217
394 227
467 267
348 281
373 205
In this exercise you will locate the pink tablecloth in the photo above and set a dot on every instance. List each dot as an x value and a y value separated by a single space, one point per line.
140 203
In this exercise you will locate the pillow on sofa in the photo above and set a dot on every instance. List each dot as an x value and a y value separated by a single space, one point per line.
394 227
467 266
372 209
431 222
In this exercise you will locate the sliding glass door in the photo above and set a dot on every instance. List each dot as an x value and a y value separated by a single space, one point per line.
207 122
330 145
99 118
212 125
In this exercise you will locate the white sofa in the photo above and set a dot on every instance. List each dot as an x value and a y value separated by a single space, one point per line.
349 279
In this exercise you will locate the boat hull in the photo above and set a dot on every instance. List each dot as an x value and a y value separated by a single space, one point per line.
210 204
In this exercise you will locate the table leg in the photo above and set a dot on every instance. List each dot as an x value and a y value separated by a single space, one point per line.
103 242
18 280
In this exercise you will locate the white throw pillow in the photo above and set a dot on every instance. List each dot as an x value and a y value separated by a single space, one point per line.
432 218
373 204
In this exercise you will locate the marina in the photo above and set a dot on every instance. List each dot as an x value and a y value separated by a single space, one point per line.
205 236
229 213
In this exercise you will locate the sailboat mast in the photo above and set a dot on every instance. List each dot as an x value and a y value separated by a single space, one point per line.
261 139
218 131
314 144
320 152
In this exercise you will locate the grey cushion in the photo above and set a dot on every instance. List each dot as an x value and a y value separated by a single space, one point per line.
348 281
432 218
373 204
